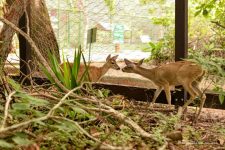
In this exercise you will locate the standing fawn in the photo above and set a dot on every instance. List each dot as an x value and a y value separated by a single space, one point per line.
185 73
95 73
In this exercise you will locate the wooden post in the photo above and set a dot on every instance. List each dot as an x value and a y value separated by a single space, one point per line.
181 35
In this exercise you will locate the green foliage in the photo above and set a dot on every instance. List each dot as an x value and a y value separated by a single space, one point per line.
205 8
219 128
27 106
15 85
165 124
111 6
21 140
68 73
5 144
214 66
53 131
122 137
160 51
192 135
221 93
156 50
144 2
164 21
74 112
213 11
103 93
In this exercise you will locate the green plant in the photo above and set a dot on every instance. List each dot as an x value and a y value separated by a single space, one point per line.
157 52
221 93
68 74
102 93
214 66
213 12
165 124
29 121
192 135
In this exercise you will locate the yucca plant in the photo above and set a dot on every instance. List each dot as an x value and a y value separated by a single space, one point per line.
68 74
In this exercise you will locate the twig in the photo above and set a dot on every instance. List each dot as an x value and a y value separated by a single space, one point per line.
30 134
5 84
45 95
88 121
29 75
8 100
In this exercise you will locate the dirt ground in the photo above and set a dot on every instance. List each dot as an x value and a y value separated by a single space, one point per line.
207 134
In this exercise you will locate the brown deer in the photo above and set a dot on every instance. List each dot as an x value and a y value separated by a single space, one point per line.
185 73
95 73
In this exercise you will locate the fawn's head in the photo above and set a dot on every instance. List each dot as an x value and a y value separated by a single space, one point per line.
131 66
111 62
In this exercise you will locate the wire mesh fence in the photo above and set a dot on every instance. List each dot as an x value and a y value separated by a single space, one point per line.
121 27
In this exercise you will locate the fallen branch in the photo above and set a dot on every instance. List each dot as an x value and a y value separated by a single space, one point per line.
129 122
116 114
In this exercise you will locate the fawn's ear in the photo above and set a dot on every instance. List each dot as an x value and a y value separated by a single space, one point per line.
127 62
115 57
108 57
140 62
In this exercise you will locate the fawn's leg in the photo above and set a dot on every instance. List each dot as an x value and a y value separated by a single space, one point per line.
189 88
168 94
202 102
156 94
202 97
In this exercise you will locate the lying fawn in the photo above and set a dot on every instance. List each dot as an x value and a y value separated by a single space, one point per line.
95 73
185 73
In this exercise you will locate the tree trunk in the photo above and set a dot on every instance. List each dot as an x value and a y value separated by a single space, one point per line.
13 15
38 27
41 30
